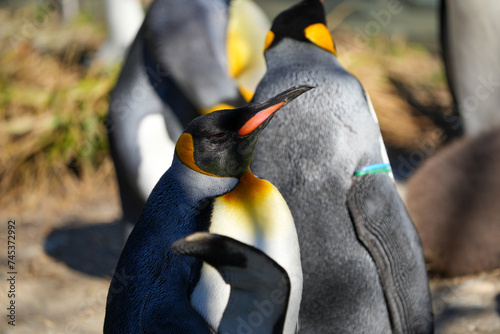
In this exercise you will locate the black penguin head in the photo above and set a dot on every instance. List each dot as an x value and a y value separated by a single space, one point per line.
303 22
222 143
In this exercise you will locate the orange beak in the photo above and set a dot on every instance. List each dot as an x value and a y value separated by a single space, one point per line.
259 118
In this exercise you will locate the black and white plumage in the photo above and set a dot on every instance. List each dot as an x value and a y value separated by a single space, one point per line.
260 287
208 188
176 69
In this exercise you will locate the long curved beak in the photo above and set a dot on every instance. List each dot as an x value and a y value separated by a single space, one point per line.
267 108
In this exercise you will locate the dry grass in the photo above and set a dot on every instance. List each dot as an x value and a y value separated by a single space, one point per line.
52 109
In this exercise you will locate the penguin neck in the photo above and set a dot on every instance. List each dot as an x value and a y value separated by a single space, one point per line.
199 186
290 51
250 190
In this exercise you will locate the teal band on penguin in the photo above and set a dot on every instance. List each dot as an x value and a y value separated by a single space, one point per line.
373 169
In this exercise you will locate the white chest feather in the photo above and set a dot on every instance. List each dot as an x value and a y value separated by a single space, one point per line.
254 213
156 151
383 150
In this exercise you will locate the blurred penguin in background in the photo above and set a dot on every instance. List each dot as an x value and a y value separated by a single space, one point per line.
179 66
362 260
68 9
246 33
123 20
453 196
470 36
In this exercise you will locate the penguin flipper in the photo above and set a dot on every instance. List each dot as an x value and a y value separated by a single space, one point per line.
384 227
258 283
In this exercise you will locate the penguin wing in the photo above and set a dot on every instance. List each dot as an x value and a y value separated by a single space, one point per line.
384 227
258 283
241 265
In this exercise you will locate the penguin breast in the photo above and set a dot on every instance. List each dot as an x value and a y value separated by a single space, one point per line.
156 150
255 213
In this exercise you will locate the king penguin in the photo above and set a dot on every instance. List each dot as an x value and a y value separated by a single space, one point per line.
362 259
176 68
470 40
209 187
260 288
123 20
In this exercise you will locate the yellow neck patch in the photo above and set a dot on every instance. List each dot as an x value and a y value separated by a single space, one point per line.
253 209
219 106
319 34
269 40
185 151
249 189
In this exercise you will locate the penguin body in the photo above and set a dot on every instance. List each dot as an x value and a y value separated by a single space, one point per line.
260 288
140 304
176 69
322 154
263 220
123 19
469 37
246 33
209 187
310 153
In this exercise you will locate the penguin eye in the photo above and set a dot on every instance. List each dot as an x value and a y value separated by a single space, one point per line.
219 136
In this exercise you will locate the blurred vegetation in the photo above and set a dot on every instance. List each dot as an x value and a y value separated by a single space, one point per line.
52 103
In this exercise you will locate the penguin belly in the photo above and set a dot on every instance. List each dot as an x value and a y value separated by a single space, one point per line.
254 213
155 149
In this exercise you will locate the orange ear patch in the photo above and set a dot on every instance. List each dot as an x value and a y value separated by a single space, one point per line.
185 151
220 106
319 34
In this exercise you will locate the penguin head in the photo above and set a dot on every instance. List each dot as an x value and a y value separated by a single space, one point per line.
304 22
222 143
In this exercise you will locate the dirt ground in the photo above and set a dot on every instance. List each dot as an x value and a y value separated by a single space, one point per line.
66 253
65 256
